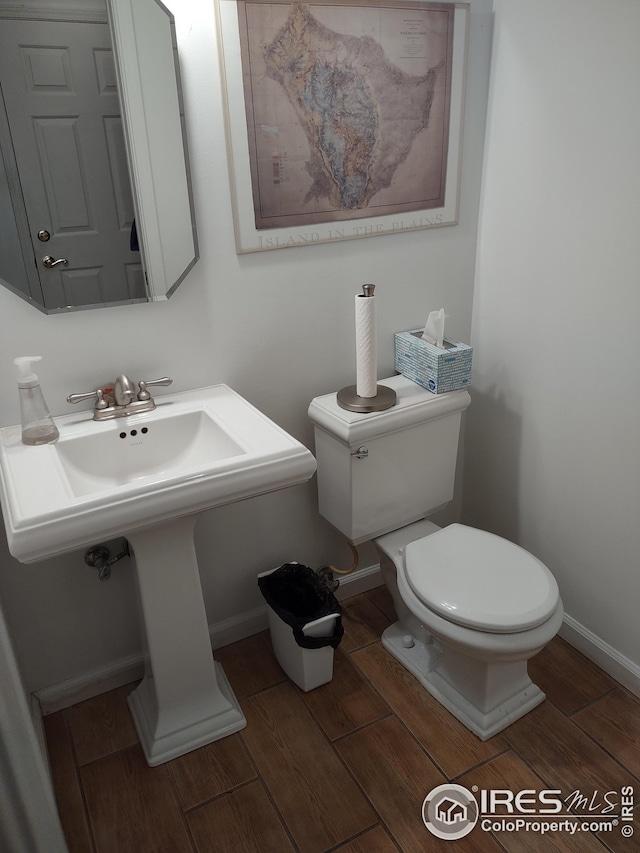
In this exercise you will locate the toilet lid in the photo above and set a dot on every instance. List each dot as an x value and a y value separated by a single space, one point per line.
479 580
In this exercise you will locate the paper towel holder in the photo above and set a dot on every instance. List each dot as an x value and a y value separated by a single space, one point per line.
348 398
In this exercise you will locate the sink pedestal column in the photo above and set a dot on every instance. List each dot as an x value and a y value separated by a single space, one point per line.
184 700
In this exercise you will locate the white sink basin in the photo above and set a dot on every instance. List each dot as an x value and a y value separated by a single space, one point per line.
197 450
144 454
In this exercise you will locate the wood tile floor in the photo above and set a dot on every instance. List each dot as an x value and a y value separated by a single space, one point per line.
344 767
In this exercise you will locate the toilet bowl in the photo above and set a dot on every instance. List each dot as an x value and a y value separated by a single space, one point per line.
472 607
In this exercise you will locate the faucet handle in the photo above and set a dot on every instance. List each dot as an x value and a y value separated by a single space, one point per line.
143 394
101 403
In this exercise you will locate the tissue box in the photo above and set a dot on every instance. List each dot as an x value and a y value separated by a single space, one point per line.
438 370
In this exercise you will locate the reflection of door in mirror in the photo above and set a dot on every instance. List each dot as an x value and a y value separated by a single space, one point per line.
63 112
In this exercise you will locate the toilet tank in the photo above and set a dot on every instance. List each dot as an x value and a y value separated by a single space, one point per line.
380 471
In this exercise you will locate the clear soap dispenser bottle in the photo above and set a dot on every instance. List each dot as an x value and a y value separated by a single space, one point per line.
37 424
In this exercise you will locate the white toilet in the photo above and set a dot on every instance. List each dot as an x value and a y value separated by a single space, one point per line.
472 607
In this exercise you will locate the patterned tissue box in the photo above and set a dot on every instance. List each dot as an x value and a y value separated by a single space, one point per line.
437 370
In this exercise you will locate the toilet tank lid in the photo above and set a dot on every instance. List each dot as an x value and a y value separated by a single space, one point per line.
479 580
414 405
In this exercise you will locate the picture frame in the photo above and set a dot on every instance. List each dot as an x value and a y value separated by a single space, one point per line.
343 118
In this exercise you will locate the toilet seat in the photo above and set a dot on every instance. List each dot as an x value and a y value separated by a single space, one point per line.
481 581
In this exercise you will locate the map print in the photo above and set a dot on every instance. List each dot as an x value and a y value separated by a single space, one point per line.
347 108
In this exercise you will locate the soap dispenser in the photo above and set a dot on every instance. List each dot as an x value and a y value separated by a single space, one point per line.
37 424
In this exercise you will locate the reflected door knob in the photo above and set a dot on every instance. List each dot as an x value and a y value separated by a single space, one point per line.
50 262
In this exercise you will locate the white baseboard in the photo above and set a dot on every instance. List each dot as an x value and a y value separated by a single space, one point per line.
91 683
360 581
128 669
605 656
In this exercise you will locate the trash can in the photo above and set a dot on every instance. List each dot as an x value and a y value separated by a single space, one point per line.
305 621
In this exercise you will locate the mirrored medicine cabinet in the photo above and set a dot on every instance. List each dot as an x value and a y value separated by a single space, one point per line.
96 206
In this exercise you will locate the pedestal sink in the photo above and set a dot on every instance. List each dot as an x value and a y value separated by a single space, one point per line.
148 477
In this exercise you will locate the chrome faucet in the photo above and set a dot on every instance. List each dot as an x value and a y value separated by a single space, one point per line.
119 399
124 391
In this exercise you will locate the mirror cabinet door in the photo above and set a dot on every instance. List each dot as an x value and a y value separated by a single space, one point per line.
143 34
94 158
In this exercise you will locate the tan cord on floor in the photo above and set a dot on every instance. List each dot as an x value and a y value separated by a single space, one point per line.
354 566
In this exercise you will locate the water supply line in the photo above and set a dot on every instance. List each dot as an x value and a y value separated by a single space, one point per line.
354 565
98 558
329 573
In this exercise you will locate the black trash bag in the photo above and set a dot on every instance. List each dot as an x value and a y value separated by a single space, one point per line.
298 596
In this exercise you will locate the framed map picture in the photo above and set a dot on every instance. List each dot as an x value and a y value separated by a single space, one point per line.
343 118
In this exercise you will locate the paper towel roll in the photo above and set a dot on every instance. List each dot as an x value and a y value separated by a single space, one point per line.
366 350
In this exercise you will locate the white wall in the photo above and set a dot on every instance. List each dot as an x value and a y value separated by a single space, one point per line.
276 326
552 457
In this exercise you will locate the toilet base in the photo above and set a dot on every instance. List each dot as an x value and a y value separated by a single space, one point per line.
496 694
